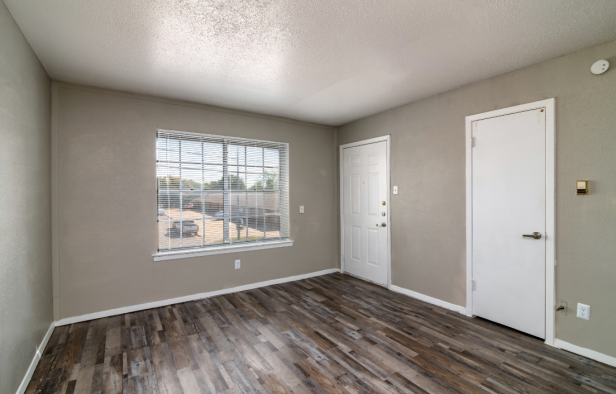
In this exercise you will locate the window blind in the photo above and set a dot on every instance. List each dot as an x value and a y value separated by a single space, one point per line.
216 190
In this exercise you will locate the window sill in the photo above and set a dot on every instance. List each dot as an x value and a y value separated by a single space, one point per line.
222 249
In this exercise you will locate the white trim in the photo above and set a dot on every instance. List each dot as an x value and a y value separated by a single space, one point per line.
193 297
366 142
386 138
550 221
388 181
550 246
181 254
223 137
469 218
341 196
582 351
429 300
35 360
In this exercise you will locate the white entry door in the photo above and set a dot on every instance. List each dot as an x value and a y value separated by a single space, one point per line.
509 220
365 211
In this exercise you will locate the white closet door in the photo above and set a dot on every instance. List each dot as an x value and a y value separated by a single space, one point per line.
509 201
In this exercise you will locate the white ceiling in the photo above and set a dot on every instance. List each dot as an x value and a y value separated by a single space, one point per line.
323 61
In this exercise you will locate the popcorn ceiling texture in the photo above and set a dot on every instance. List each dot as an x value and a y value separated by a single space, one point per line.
321 61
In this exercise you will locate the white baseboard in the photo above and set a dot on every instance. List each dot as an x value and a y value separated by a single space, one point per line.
582 351
428 299
592 354
589 353
193 297
35 360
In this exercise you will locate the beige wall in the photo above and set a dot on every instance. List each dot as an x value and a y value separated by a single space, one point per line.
428 166
105 200
25 204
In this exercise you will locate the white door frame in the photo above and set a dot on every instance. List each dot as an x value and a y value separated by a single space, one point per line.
550 257
386 138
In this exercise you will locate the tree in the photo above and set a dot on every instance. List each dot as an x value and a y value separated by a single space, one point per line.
173 182
235 183
271 182
172 185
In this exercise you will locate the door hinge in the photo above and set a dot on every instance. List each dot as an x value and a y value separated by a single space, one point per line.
342 257
473 287
472 141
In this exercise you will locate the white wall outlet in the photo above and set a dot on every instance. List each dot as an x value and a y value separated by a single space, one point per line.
301 209
395 189
237 264
583 311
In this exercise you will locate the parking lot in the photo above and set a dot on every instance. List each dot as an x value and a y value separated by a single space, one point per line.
210 230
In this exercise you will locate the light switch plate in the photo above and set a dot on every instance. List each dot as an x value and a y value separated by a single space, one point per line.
583 311
395 189
237 264
581 187
301 209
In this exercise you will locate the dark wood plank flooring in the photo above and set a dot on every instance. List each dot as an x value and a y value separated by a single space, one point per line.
330 334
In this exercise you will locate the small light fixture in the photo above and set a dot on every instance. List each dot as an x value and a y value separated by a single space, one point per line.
599 67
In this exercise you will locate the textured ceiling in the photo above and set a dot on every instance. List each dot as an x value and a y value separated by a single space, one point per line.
322 61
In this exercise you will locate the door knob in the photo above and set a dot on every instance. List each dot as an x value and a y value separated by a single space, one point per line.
534 235
383 224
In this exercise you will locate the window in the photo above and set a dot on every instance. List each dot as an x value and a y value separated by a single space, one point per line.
220 191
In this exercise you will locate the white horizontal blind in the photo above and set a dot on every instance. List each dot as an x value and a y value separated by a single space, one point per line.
215 190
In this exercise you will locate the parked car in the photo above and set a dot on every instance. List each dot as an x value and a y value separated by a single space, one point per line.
161 212
220 215
188 205
184 226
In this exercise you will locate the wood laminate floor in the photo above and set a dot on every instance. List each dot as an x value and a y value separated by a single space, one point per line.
329 334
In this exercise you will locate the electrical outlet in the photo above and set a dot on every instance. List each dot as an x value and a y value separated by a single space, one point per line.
301 209
237 264
583 311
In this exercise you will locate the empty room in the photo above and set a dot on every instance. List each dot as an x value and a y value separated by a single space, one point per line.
310 197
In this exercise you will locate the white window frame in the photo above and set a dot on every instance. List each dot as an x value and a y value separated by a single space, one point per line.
237 247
